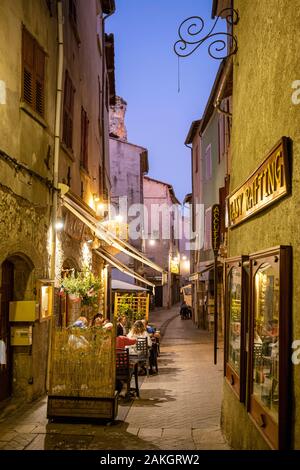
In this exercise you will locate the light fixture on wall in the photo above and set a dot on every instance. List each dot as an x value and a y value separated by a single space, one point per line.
59 225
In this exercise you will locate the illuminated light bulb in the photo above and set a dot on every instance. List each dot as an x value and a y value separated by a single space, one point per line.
59 225
152 242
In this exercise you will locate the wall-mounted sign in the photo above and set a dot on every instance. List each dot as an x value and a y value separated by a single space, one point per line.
215 228
174 265
268 183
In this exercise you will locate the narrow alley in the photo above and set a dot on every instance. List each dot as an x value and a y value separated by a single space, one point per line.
179 408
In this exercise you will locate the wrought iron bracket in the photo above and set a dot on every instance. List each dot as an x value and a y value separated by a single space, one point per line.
190 32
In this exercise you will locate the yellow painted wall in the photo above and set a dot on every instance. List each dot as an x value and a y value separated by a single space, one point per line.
266 64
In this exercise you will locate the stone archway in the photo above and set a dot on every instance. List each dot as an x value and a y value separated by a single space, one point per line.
16 284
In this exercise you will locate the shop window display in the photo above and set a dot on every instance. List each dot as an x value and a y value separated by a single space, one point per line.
269 361
266 339
236 290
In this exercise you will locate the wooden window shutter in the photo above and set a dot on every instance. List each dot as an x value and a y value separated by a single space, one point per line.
33 69
28 68
69 93
39 80
86 147
84 139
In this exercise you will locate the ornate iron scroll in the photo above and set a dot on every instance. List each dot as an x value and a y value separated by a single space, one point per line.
190 30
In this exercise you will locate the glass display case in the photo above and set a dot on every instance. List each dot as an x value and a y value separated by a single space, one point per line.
269 343
236 298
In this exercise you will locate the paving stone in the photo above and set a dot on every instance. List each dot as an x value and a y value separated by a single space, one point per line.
25 428
179 409
20 442
145 433
180 433
8 436
132 430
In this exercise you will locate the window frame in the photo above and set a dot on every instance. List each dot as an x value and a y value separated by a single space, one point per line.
38 76
277 435
84 140
208 175
236 381
68 112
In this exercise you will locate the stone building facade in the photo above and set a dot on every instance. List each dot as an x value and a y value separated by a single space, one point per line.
25 186
263 412
162 233
28 91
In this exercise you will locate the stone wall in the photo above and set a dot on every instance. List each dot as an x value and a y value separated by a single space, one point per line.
264 68
23 239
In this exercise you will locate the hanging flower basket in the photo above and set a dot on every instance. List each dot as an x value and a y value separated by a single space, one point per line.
84 287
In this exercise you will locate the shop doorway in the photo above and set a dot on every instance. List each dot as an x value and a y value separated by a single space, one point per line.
15 285
158 296
7 293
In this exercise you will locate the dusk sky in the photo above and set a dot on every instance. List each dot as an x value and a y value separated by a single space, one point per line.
158 117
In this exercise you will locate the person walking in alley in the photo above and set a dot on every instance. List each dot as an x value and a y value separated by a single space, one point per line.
184 311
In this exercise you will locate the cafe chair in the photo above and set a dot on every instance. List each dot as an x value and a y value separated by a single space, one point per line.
143 353
124 371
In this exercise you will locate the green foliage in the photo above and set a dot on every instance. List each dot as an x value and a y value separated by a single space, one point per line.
85 285
126 309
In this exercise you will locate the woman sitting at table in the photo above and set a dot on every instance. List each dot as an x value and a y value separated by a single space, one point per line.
139 331
123 341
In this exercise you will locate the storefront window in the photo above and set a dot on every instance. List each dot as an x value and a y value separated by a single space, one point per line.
269 400
234 310
237 281
266 339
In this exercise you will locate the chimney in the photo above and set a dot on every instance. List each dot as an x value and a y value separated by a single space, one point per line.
117 113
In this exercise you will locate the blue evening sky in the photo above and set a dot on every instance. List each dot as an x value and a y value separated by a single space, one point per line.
158 117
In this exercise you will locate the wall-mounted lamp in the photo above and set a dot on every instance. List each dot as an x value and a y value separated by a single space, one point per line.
152 242
59 225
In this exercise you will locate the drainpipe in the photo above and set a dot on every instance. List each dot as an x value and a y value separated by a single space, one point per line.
103 97
57 133
108 293
60 56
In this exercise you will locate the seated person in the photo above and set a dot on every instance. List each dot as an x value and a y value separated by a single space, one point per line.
139 331
107 325
78 342
121 326
122 341
97 320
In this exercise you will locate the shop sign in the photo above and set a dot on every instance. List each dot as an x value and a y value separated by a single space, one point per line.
174 265
215 228
266 185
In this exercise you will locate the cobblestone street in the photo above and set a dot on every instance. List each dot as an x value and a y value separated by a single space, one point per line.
178 409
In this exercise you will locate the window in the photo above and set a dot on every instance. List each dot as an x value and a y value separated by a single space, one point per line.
207 228
269 374
69 92
73 11
235 324
208 163
84 139
33 72
196 156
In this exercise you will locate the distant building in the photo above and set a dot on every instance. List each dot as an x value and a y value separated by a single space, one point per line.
128 165
161 241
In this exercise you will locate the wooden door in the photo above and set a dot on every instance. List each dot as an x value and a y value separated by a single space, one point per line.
158 296
7 289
